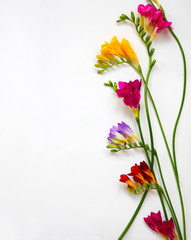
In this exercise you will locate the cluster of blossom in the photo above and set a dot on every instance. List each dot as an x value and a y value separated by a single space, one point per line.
142 176
114 53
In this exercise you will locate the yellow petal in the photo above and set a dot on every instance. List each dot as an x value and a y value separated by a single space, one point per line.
101 57
156 2
115 45
135 111
107 52
131 184
129 52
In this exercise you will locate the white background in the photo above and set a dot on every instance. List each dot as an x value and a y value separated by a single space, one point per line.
57 179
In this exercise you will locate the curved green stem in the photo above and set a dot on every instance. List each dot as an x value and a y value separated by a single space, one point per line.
147 109
134 216
168 198
149 161
159 121
177 121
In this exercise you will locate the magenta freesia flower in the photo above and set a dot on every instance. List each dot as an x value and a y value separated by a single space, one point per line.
130 92
165 229
121 135
152 19
146 11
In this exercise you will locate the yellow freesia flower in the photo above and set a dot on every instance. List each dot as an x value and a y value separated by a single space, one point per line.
109 51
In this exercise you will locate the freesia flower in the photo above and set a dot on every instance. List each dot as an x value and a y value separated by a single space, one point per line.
130 185
142 174
152 19
137 175
122 135
165 229
146 172
130 92
113 51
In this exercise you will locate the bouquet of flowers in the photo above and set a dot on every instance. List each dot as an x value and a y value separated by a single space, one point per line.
148 22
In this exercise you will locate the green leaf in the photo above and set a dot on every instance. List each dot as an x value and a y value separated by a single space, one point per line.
111 84
141 29
111 146
133 16
119 148
124 17
107 84
114 150
115 87
137 21
119 21
147 39
100 71
129 145
153 63
143 34
147 147
152 51
149 44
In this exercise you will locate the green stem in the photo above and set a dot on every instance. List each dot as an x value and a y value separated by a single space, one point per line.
177 121
147 109
144 195
159 121
149 161
169 200
134 216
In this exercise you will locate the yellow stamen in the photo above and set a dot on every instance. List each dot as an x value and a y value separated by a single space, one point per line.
135 137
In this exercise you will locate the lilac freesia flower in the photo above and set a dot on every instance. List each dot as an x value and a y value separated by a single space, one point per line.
121 135
165 229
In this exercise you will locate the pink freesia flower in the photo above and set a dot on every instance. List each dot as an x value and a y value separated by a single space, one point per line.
165 229
152 19
146 11
130 92
161 24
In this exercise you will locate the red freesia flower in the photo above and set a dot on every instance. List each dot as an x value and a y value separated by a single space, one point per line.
142 173
130 92
137 175
146 172
165 229
142 176
125 179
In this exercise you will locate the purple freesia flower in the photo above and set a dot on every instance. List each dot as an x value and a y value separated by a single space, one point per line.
121 135
165 229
